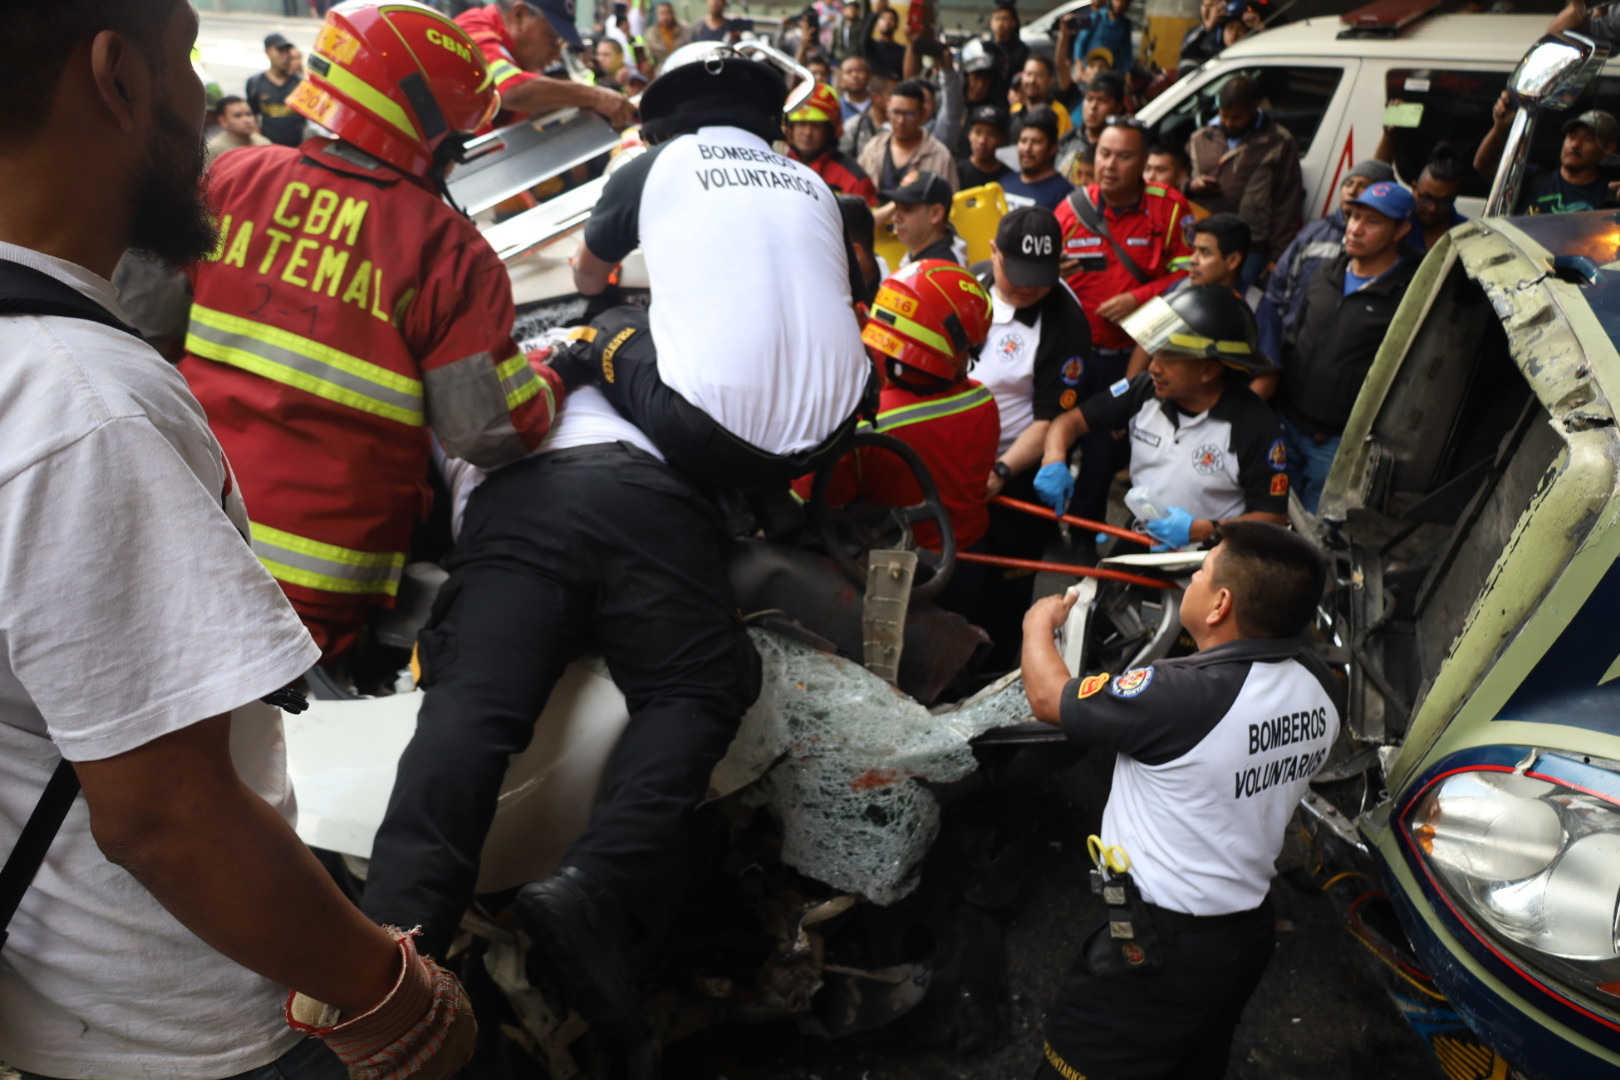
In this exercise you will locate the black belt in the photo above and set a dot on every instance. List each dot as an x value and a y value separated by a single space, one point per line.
1181 922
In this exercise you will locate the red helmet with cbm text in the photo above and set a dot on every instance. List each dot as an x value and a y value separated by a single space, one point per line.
396 79
927 315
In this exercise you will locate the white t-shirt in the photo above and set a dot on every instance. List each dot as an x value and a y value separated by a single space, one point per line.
130 607
1007 366
585 418
751 310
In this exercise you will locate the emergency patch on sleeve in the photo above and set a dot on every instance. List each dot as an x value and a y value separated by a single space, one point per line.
1092 684
1279 484
1133 682
1189 230
1074 368
1277 456
1118 389
1067 400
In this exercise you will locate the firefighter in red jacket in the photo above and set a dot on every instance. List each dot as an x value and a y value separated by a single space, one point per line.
813 131
923 322
348 311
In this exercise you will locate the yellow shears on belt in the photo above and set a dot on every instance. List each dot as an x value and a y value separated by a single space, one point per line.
1110 857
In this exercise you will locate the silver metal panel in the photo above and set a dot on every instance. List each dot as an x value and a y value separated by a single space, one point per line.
516 158
545 223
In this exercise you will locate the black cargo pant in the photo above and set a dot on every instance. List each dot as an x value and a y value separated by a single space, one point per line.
1173 1024
595 548
689 438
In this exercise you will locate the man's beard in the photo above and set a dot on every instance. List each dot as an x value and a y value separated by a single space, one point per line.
172 222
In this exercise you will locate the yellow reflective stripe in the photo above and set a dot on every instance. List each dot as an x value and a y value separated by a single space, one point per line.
285 357
299 560
347 82
917 331
501 70
1194 341
931 410
522 382
1181 263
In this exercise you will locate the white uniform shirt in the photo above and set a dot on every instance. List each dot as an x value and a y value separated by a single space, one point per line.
130 607
1006 366
1221 463
1214 752
751 309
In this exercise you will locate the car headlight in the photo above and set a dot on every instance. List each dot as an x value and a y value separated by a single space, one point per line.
1532 864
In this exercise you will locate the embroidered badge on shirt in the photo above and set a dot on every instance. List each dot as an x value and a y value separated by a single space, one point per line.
1091 684
1068 399
1278 456
1011 348
1073 369
1118 389
1279 484
1133 682
1208 459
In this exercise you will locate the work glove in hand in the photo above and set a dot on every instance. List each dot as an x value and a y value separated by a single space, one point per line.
423 1029
1054 484
1173 531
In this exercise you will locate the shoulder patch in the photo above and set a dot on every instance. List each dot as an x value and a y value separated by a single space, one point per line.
1133 682
1277 456
1068 399
1189 230
1092 684
1074 368
1279 484
1118 389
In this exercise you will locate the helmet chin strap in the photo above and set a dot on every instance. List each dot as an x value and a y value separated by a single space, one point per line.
909 378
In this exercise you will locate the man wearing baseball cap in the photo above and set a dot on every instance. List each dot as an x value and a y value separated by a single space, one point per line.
1576 184
986 133
1347 308
520 39
922 217
1316 244
268 91
1036 360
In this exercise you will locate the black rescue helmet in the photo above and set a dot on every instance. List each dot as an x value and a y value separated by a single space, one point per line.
1201 320
710 83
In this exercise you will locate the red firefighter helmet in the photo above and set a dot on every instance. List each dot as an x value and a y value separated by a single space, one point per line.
396 78
821 107
927 315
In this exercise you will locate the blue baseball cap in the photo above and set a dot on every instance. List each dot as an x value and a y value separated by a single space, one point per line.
1389 199
560 14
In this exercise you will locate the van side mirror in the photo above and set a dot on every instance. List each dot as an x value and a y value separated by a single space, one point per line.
1556 69
1551 76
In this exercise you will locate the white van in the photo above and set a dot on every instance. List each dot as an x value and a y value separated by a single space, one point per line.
1331 92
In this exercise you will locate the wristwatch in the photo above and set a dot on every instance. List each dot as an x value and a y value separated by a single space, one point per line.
1001 469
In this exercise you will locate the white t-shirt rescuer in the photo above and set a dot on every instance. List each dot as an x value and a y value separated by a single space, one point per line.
1214 752
130 607
751 311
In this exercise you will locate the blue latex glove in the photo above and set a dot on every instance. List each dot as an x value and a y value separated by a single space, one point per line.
1054 485
1172 531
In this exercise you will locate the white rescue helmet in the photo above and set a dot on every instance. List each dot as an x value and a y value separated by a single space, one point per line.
710 83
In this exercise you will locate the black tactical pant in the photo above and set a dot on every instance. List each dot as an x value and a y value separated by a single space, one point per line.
1109 1023
689 438
594 548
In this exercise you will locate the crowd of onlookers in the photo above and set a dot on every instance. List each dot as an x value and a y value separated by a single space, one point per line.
904 122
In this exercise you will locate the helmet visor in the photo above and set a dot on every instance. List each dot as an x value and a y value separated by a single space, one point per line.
1158 328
